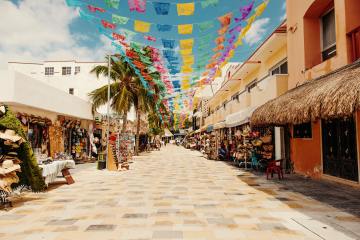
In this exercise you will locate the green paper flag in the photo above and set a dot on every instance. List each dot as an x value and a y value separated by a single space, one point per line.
112 3
119 19
203 26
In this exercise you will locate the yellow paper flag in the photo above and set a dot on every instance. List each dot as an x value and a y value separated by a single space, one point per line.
185 9
186 51
188 59
141 26
186 69
185 28
260 9
186 43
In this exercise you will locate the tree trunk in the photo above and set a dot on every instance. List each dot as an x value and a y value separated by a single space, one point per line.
124 122
137 132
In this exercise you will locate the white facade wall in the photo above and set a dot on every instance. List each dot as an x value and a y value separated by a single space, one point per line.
19 90
82 83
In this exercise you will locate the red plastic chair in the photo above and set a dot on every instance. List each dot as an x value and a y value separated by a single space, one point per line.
275 167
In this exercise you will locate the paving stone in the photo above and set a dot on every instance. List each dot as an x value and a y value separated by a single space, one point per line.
101 227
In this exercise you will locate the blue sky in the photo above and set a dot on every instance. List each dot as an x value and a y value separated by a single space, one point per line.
50 30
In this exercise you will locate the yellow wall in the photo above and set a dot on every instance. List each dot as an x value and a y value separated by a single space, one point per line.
296 41
246 100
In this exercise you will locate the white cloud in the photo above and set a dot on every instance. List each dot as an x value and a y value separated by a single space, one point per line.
257 31
34 31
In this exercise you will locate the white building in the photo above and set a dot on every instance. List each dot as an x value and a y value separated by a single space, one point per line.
69 76
25 94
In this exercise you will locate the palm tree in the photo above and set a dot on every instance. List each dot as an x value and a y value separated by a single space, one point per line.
127 90
121 89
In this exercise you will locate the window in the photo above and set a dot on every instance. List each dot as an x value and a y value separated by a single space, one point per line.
302 130
251 85
71 91
66 70
77 70
49 71
328 35
224 104
281 68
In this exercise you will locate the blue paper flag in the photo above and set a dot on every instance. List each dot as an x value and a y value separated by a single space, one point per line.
168 43
163 27
161 8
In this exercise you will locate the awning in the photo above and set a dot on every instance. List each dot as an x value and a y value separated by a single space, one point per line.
167 133
333 95
239 118
209 128
219 125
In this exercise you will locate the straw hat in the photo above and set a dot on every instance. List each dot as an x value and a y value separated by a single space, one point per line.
10 135
8 166
2 110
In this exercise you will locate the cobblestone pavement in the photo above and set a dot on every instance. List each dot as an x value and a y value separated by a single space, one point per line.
174 194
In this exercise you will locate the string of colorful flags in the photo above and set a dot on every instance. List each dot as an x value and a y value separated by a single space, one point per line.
184 64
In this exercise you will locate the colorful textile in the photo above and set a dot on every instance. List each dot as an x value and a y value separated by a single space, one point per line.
161 8
119 19
112 3
95 9
137 5
203 26
185 9
141 26
186 43
208 3
163 27
185 28
168 43
108 25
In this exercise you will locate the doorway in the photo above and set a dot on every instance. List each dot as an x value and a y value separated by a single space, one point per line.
340 148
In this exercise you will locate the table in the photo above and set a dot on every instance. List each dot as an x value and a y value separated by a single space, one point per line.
51 171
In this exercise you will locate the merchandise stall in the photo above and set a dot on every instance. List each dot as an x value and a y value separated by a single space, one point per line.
18 166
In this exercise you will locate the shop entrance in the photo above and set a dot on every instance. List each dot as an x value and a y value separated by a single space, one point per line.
339 148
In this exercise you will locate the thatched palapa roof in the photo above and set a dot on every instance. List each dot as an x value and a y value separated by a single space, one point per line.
336 94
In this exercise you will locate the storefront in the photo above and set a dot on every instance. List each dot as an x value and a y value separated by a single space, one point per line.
322 117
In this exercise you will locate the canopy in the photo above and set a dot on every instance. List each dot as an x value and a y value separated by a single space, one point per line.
219 125
333 95
168 133
239 118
